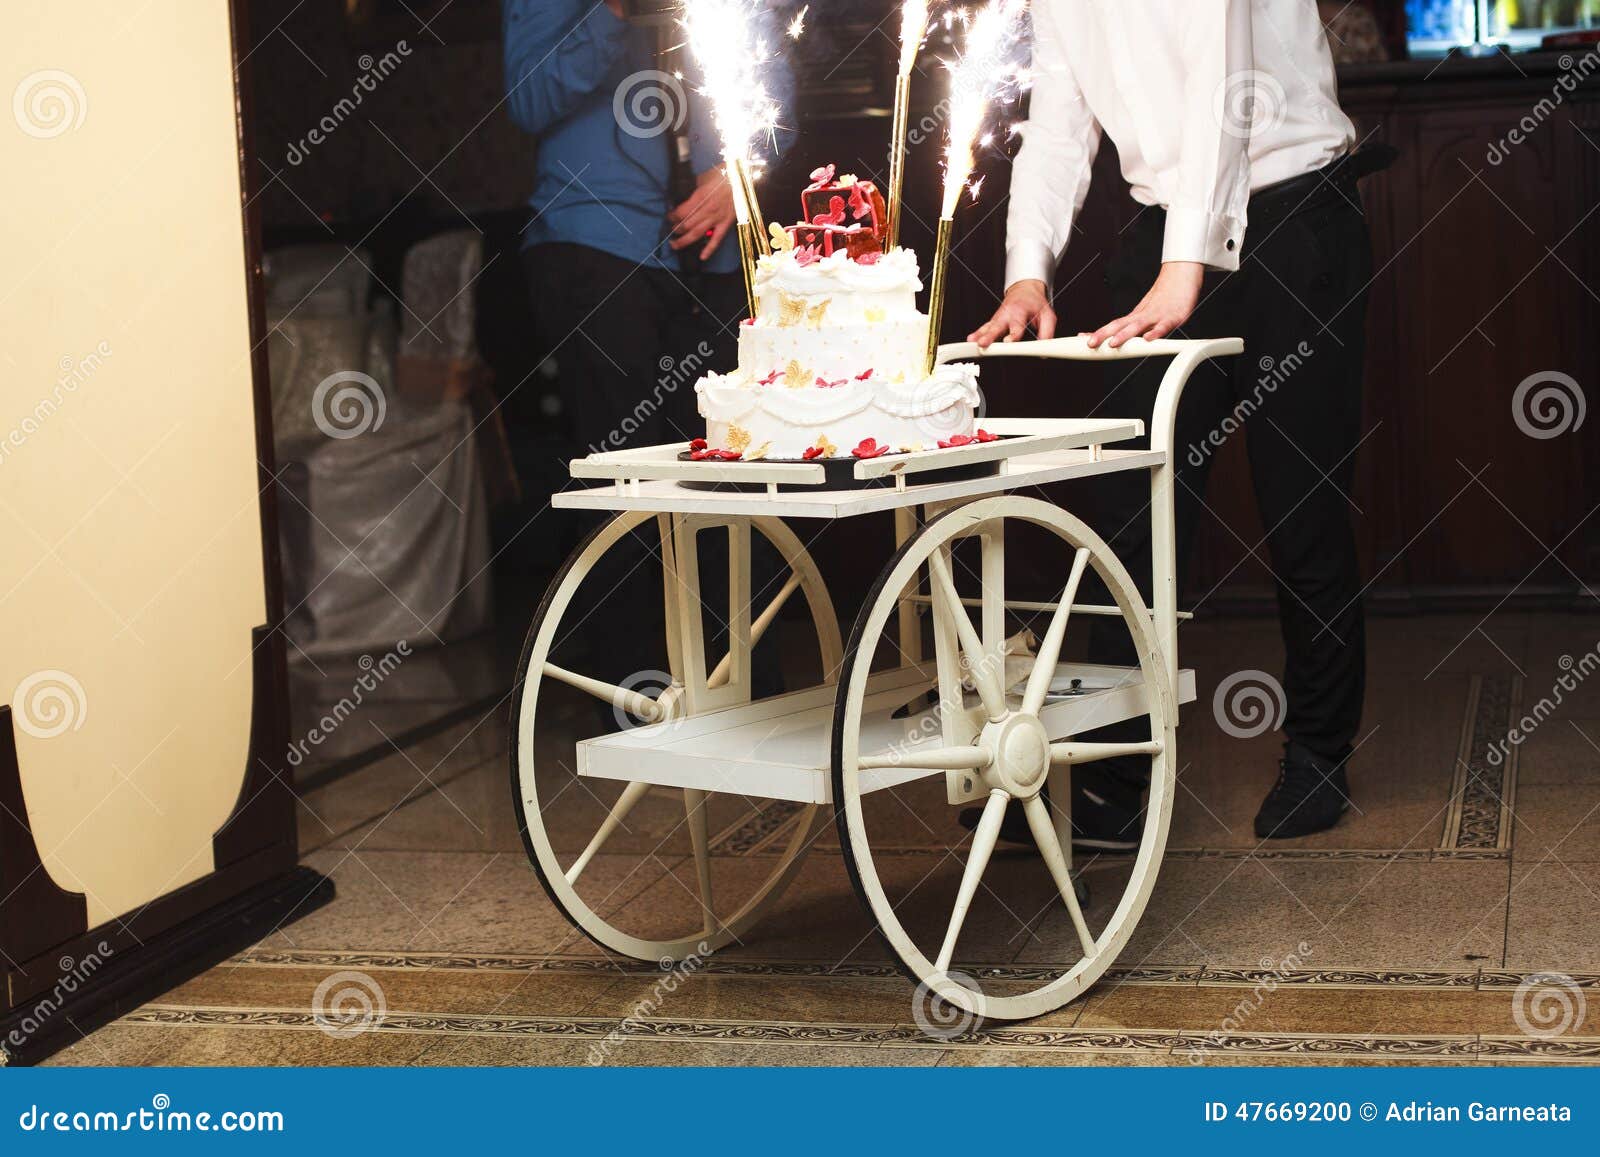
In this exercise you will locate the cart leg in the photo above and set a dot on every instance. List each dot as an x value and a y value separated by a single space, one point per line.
910 620
694 806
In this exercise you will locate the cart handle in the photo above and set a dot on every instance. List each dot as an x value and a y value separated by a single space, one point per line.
1185 355
1077 349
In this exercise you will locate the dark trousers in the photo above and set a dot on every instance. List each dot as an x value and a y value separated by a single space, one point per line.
629 343
1298 300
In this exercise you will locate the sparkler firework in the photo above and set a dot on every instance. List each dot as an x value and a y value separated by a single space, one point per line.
986 69
723 36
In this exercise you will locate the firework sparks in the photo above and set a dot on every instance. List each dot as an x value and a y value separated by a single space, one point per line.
913 28
722 35
986 68
797 26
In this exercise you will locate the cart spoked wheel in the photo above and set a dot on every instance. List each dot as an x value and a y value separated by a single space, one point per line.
597 843
995 742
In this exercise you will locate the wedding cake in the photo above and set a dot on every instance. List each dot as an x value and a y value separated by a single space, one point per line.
832 365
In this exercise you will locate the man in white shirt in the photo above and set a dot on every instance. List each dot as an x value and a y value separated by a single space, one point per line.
1227 125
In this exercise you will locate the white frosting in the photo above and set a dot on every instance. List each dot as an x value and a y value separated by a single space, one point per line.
894 272
888 348
916 414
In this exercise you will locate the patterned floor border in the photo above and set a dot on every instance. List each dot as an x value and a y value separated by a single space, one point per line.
1206 975
1184 1047
1477 819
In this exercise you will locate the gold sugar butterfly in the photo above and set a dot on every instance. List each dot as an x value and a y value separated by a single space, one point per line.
791 310
795 376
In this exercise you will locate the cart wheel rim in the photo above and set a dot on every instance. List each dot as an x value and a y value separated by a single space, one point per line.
1014 776
537 837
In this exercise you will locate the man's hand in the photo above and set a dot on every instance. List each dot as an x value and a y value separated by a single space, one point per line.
706 216
1167 306
1026 303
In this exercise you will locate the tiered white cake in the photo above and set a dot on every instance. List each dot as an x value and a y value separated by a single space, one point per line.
832 365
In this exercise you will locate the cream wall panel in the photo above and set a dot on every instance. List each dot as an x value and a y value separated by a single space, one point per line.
130 559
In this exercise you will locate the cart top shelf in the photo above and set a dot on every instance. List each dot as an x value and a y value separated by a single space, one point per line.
1030 452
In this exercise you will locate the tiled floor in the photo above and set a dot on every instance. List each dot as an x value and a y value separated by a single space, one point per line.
1419 930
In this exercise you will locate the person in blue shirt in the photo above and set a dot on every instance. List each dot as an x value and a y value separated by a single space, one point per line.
635 283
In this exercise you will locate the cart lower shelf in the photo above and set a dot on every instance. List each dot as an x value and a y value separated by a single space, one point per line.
780 748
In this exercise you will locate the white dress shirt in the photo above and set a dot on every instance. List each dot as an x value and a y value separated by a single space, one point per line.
1206 101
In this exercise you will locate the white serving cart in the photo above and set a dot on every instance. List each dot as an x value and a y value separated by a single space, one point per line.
992 720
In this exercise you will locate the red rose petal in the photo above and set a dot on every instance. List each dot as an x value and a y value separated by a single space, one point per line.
869 448
697 443
812 452
985 436
861 377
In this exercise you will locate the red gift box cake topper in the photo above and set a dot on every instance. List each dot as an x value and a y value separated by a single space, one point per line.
840 214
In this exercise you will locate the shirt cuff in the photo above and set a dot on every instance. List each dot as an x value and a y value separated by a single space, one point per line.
1212 239
1030 261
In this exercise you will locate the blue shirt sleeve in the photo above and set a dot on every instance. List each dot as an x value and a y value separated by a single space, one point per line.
556 53
705 146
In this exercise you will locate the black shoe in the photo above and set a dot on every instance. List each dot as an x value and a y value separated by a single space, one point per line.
1310 795
1106 815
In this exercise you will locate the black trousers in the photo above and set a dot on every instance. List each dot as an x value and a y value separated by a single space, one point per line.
630 342
1298 300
